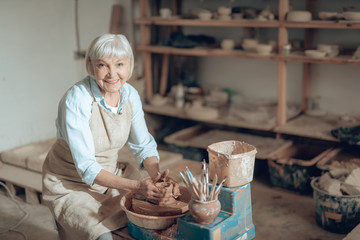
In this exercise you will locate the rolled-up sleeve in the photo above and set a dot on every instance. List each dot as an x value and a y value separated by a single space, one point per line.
141 142
73 127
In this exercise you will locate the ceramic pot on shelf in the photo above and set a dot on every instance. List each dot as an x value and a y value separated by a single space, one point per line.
204 212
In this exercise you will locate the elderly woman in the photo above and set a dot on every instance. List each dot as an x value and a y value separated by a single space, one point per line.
82 179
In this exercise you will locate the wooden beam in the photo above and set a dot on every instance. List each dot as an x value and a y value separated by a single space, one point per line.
115 19
164 74
305 86
282 65
282 93
282 32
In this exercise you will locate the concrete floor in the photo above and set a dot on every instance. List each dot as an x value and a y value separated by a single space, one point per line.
277 214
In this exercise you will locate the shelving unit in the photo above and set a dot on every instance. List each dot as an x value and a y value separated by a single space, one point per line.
282 124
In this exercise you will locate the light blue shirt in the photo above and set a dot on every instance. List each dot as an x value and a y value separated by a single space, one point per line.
72 125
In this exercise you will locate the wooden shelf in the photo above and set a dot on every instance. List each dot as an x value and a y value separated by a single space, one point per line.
318 128
315 127
339 60
176 21
323 24
171 111
201 52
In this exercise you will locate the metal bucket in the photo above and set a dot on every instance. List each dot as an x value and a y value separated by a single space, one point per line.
232 159
339 214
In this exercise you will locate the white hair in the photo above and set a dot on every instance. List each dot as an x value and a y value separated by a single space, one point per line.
109 46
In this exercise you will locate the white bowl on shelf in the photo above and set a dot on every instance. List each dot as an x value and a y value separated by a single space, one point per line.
327 15
299 16
249 44
227 44
202 113
331 50
249 47
263 49
250 41
204 15
158 100
352 16
313 53
222 10
238 16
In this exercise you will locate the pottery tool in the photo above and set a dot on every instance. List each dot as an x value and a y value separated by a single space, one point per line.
199 189
212 192
217 191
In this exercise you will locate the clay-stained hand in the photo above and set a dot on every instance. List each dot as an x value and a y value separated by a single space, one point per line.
162 177
148 189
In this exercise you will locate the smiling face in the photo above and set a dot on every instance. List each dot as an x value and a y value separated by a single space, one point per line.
111 74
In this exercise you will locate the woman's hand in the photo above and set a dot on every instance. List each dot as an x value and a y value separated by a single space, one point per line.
147 189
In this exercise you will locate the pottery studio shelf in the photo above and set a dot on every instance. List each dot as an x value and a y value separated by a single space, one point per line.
316 127
171 111
179 21
217 52
322 24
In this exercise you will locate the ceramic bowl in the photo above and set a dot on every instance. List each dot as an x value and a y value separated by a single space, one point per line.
263 49
330 49
165 12
227 44
238 16
250 41
202 113
204 15
249 44
353 16
158 100
224 10
315 53
299 16
327 15
248 47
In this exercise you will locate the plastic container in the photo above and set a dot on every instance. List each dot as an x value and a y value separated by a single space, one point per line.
339 214
293 167
232 159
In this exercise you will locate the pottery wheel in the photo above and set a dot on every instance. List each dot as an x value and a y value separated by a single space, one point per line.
169 205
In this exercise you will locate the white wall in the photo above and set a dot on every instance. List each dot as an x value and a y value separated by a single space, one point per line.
37 64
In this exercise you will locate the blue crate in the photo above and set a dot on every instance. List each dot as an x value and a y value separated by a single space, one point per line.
233 222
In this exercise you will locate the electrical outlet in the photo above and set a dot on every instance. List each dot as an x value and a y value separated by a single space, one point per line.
79 55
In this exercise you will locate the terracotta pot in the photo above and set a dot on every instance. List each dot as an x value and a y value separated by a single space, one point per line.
204 212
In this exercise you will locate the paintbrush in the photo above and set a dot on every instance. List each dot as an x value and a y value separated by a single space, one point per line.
189 185
217 191
211 196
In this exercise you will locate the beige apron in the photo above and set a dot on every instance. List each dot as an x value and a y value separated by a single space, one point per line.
82 211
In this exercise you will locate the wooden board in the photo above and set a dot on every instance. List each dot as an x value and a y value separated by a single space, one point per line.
115 22
201 137
316 127
31 156
21 177
168 110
